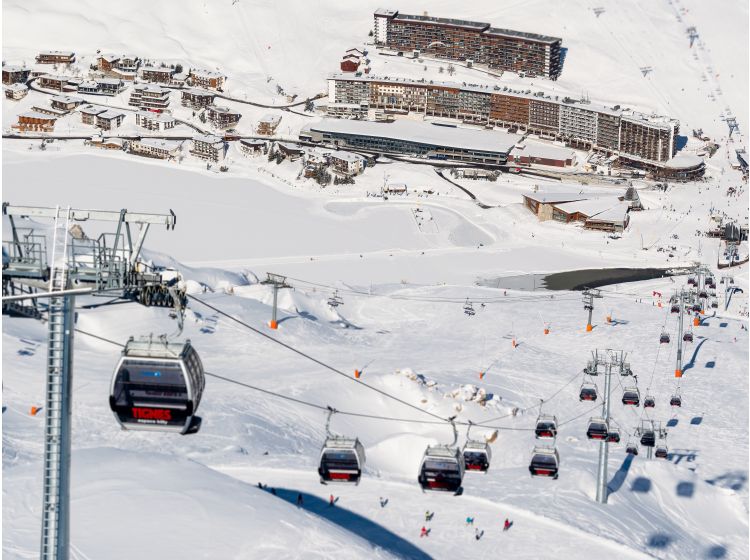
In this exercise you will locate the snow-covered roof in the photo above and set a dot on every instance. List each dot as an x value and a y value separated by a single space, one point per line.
199 91
208 139
684 160
168 145
12 68
546 151
206 73
160 117
109 57
109 81
37 115
110 114
92 110
18 87
270 119
385 13
221 109
616 213
251 142
67 99
289 147
347 156
163 70
496 141
590 207
545 197
112 141
53 77
151 88
57 53
88 84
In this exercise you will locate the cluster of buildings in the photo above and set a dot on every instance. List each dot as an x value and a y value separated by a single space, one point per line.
471 42
639 140
595 211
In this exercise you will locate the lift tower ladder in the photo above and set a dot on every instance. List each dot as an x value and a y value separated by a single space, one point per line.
56 477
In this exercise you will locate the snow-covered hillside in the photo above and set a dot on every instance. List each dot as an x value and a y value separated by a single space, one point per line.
404 266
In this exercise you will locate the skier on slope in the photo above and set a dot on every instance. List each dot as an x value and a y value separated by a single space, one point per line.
507 524
424 533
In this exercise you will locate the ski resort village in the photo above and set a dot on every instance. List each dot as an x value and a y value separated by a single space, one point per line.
428 280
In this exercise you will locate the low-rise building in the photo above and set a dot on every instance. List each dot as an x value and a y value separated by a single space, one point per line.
595 211
268 124
251 147
65 102
50 111
107 143
347 163
149 96
209 147
15 75
161 75
179 79
542 154
222 117
156 148
89 113
110 119
291 151
197 98
16 91
124 65
348 110
102 86
48 81
350 63
155 121
207 79
33 121
56 57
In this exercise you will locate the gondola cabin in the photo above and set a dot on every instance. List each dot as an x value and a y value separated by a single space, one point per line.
546 427
341 460
676 400
661 452
648 438
675 308
613 436
442 469
714 304
696 307
157 385
664 338
631 396
703 294
588 393
598 429
477 456
687 337
631 449
691 281
649 402
545 461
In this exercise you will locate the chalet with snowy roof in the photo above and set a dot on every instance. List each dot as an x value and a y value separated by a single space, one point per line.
178 79
16 91
15 75
107 143
121 63
110 119
50 111
48 81
161 75
197 98
268 124
355 52
347 164
594 210
156 148
151 97
155 121
33 121
89 113
292 151
251 147
56 57
222 117
110 86
207 79
65 102
209 147
350 63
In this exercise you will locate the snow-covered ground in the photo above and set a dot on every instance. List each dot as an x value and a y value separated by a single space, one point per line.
404 267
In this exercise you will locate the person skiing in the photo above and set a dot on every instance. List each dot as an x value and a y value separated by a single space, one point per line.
331 501
478 534
300 501
507 524
424 532
469 521
383 501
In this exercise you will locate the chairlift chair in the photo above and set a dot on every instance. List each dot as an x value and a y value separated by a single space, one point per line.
598 429
342 459
442 468
591 369
545 461
157 385
687 337
546 427
631 396
335 300
469 308
477 454
664 338
626 370
588 392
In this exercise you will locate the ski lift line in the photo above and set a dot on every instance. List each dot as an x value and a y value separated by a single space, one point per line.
315 360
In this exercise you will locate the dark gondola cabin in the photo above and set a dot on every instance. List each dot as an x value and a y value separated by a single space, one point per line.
477 456
664 338
631 449
631 396
661 452
588 393
648 438
442 469
157 386
598 429
613 436
675 308
687 337
546 427
649 402
341 460
545 461
691 281
676 400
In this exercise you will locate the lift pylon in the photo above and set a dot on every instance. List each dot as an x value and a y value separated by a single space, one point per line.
278 282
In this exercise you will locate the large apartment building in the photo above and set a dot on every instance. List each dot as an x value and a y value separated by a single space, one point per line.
469 41
579 124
